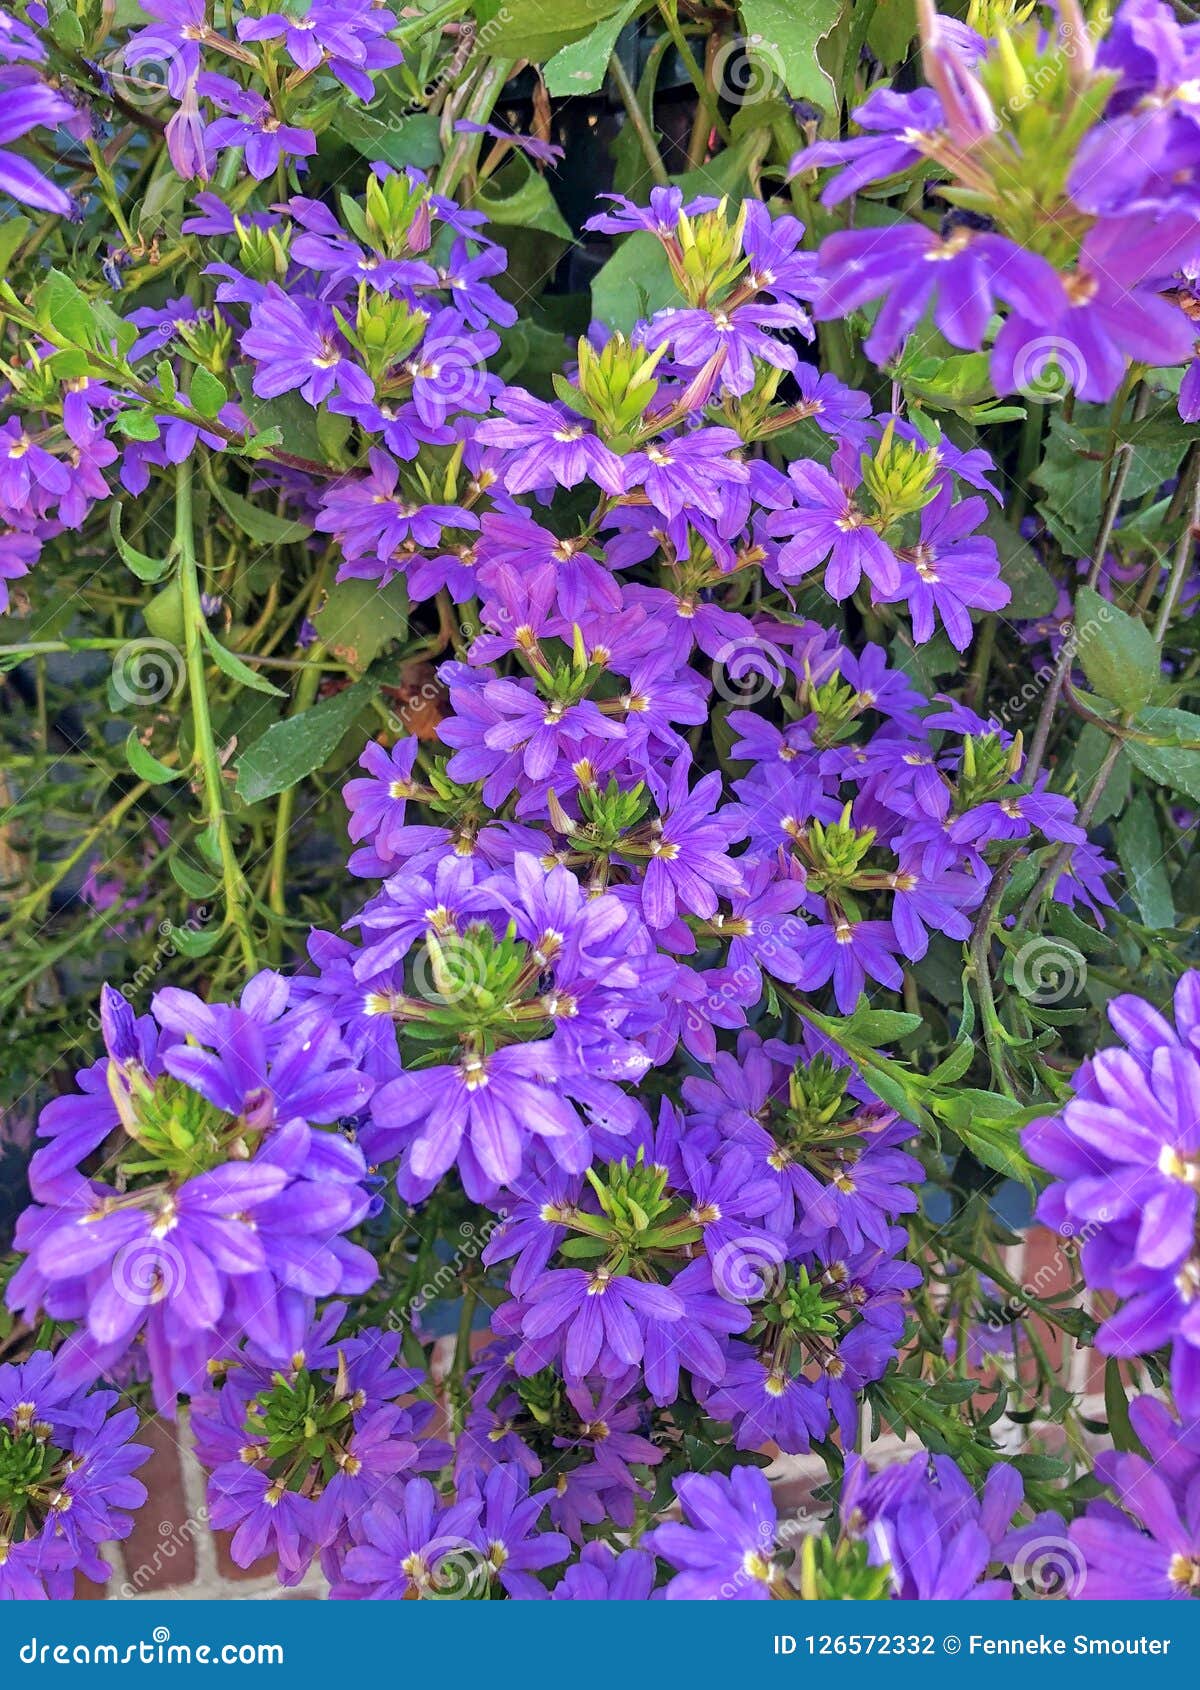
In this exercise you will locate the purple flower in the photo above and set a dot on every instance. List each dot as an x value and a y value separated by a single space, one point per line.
725 1547
66 1478
296 344
961 273
547 445
660 217
1109 312
603 1575
923 1519
413 1549
28 104
901 123
826 523
951 570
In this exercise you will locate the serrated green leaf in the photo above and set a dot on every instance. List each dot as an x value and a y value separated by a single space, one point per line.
206 392
529 29
581 67
136 424
785 35
1140 848
293 748
360 618
261 525
1118 653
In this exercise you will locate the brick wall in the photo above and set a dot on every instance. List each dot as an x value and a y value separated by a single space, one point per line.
172 1553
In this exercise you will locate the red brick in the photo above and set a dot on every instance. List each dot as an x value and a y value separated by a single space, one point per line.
160 1550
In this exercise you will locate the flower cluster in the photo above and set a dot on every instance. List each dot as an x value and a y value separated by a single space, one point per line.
675 1031
1125 1153
188 1187
66 1478
1069 203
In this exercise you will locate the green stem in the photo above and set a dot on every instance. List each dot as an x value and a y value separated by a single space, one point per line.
306 692
204 740
670 17
637 122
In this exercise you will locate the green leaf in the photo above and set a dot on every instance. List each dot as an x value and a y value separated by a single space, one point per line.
1033 589
194 944
989 1125
399 140
952 1068
12 232
360 618
1140 848
635 282
136 424
786 34
260 524
880 1026
146 766
145 568
293 417
581 67
893 25
238 671
529 29
1116 1405
1091 748
164 615
1118 653
1071 474
59 303
206 392
293 748
195 882
1168 766
529 206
